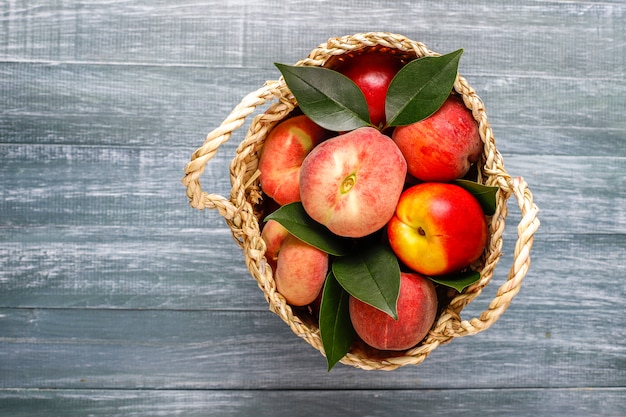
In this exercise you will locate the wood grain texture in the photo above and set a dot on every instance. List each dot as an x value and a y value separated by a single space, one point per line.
140 403
118 299
166 349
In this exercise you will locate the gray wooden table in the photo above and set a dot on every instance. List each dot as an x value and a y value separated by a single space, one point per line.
118 299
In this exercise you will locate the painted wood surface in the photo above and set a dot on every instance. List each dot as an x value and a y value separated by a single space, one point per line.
118 299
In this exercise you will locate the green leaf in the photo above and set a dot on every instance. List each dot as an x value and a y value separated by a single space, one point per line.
293 217
372 275
486 195
336 328
420 88
329 98
458 281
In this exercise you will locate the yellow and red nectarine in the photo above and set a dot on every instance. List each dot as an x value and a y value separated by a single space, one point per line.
438 228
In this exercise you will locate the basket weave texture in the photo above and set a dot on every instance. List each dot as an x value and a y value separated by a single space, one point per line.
243 209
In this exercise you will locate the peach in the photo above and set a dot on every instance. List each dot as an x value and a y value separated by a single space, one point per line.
300 271
372 72
273 234
351 183
438 228
443 146
417 310
284 149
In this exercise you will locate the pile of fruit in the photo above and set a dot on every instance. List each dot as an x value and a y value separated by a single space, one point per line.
374 202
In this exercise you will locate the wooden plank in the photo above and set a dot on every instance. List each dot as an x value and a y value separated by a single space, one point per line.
125 267
176 107
551 36
566 339
86 104
480 403
576 194
102 186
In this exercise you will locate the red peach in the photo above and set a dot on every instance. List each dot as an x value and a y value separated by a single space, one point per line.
284 149
417 310
300 271
438 228
372 72
273 234
351 183
443 146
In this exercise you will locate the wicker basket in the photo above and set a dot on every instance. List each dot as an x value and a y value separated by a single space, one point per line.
243 209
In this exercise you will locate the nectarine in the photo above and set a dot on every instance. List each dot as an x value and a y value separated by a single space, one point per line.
443 146
417 310
300 271
438 228
372 72
273 234
285 148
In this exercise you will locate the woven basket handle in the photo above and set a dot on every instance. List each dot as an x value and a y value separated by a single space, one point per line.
521 262
227 207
